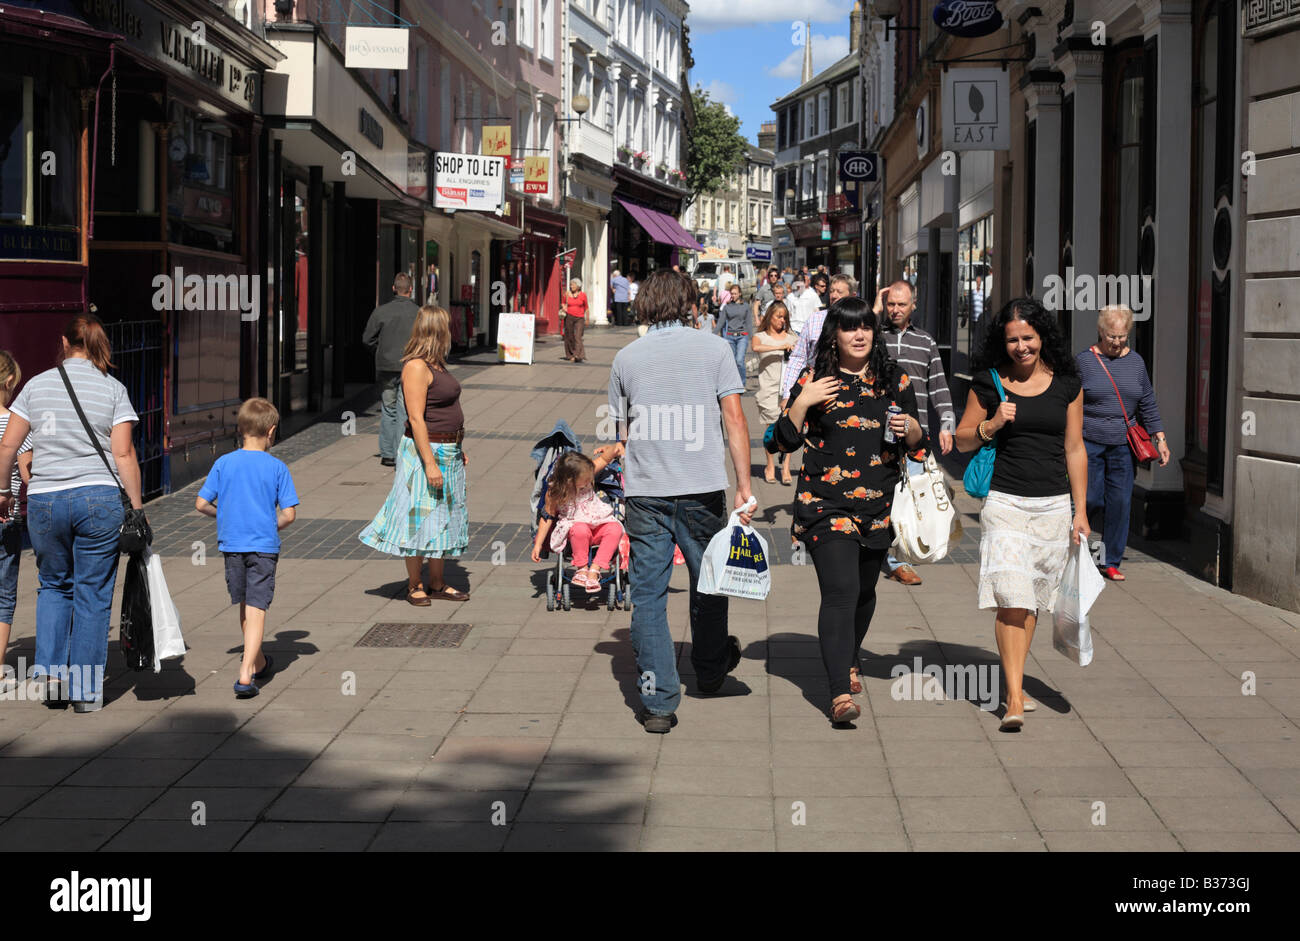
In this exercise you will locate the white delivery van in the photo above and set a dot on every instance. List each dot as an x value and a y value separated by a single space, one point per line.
730 271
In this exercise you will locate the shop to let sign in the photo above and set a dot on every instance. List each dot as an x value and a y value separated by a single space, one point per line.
468 181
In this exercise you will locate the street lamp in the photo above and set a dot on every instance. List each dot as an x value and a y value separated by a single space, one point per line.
888 10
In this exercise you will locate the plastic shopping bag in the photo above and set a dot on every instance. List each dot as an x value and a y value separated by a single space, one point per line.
136 625
1081 583
735 561
167 639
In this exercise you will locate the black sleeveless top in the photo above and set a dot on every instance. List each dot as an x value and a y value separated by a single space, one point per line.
442 412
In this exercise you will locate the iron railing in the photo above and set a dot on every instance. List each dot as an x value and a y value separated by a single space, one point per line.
138 365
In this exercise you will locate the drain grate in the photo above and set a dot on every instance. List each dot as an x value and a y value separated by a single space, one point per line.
414 635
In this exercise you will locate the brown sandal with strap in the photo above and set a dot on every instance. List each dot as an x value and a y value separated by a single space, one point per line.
855 681
447 593
845 711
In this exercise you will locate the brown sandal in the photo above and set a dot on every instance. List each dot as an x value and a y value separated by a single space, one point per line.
845 711
418 602
855 681
447 593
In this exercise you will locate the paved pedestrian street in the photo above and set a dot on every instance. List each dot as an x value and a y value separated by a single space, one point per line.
1181 735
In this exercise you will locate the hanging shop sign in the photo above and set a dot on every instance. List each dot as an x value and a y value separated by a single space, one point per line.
417 173
515 334
376 47
968 17
859 166
976 109
496 142
517 176
758 252
537 174
468 181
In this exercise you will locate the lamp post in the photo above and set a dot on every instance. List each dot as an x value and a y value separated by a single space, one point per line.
888 10
580 104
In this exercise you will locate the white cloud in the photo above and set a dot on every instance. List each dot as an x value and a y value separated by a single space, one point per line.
719 90
827 50
706 16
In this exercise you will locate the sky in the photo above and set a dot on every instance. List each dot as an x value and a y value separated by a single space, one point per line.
748 53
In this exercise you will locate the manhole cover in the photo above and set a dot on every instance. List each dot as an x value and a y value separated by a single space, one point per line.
415 635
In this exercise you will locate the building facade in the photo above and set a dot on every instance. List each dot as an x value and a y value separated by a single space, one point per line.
735 221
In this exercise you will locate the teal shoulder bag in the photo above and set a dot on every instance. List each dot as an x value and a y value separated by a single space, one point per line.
979 472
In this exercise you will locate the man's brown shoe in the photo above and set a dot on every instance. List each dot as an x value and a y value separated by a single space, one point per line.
905 574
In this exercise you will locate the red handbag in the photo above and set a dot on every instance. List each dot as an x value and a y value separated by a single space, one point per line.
1139 441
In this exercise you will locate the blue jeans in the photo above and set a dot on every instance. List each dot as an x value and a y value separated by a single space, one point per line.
913 467
653 525
1110 489
739 346
11 550
392 421
75 535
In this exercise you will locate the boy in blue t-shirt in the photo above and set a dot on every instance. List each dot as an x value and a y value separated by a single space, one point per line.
255 499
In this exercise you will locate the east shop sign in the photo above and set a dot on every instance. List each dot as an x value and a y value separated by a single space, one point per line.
969 18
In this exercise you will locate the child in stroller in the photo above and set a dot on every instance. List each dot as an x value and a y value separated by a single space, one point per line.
580 512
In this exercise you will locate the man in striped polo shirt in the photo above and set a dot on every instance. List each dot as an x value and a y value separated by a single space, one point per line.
915 350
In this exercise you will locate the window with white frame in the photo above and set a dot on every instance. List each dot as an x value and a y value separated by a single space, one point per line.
444 106
545 44
659 42
638 27
597 114
823 182
523 130
824 110
620 27
810 117
524 19
844 114
547 143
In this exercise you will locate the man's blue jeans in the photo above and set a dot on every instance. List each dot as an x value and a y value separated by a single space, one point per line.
653 525
913 467
1110 489
75 535
739 346
392 421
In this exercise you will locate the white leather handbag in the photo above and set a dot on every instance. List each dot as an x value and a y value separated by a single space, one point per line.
924 520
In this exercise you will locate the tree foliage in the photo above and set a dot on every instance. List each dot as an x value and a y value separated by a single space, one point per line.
715 148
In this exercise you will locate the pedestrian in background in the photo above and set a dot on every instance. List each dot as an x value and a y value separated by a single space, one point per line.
74 506
1036 503
772 342
676 489
839 412
386 333
810 331
575 322
821 285
254 499
705 310
425 519
764 296
633 286
11 523
619 285
1115 386
736 326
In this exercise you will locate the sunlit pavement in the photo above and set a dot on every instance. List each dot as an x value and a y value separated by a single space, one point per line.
1182 734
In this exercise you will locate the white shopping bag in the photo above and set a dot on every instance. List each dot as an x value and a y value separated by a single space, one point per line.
735 561
1081 583
167 640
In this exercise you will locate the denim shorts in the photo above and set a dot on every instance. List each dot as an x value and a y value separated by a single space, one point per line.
11 550
250 576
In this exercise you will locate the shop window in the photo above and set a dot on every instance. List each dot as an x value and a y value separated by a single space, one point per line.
39 173
974 281
200 182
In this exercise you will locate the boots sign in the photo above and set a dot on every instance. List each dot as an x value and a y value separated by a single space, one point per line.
976 110
468 181
968 17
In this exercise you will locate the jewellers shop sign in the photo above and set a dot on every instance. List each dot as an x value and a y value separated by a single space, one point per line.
185 47
376 47
468 181
968 17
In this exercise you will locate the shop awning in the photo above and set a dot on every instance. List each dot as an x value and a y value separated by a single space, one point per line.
661 227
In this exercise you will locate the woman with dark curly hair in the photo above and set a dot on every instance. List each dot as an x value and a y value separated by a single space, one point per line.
1041 469
839 410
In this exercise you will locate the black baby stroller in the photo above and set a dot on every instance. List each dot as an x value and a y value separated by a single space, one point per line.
609 488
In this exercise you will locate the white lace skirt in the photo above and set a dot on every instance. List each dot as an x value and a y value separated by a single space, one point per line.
1024 544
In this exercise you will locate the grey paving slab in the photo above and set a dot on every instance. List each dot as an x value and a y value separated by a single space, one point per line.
573 837
312 837
411 837
176 836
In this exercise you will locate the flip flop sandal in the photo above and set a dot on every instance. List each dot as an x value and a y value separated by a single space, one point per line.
245 691
593 582
447 593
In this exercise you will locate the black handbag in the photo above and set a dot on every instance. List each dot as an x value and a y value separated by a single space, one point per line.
135 533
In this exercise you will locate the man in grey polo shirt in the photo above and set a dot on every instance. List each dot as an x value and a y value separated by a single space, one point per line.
675 388
386 333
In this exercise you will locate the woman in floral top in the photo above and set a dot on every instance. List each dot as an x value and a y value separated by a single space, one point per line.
837 412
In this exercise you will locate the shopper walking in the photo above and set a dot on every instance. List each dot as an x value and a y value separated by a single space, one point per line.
772 342
1037 500
676 489
1116 388
575 322
386 333
425 518
839 412
11 523
736 326
619 285
74 506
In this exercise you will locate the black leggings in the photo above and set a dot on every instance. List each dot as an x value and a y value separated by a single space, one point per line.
846 573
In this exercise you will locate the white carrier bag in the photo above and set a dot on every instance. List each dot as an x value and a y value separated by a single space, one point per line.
735 561
924 520
167 639
1081 583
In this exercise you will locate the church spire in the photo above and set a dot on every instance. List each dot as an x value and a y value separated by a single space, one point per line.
807 54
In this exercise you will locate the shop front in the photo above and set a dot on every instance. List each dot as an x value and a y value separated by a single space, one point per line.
644 231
